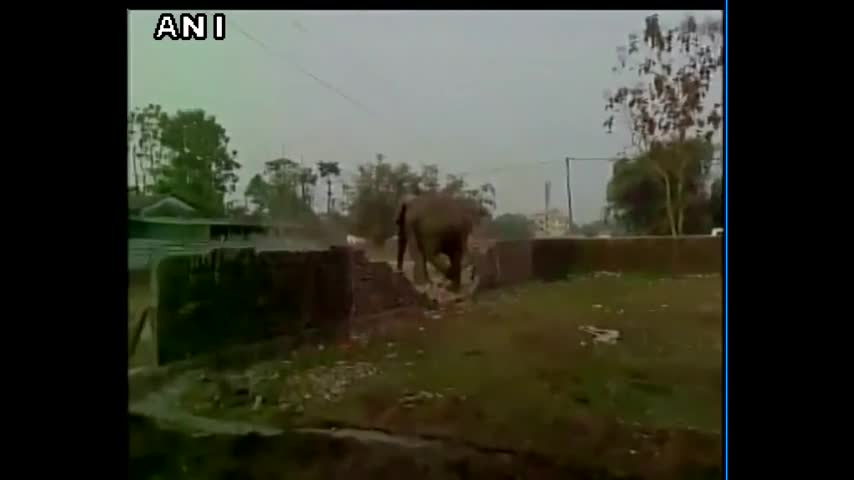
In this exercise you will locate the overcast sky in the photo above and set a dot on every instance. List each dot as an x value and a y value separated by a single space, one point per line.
497 94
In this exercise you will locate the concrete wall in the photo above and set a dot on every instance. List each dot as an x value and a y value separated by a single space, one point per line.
230 297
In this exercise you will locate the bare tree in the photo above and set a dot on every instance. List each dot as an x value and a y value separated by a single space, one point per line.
668 107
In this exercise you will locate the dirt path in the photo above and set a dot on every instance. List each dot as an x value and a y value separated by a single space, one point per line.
162 406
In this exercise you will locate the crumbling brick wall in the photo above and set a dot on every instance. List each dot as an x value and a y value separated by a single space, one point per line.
377 288
231 297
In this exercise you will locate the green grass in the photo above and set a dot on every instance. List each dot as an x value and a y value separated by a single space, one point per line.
514 371
519 361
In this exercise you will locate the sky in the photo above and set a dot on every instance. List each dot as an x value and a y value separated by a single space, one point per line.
501 96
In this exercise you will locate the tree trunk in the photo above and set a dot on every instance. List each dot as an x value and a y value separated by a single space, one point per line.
135 172
680 200
668 201
328 195
151 161
142 175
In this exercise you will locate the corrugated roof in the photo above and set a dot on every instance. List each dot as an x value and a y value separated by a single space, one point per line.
138 201
210 221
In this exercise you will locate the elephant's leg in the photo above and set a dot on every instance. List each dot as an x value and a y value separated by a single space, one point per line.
439 264
432 250
420 256
454 248
455 271
419 270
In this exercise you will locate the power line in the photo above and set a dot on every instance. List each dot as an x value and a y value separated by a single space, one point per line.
302 69
329 86
373 112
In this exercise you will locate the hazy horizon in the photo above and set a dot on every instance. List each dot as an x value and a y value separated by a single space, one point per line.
504 95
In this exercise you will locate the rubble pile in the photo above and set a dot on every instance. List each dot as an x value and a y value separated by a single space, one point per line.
377 288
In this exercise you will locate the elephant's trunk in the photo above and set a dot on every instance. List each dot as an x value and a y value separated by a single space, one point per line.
401 237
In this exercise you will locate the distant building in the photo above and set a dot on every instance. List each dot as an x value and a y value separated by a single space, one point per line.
553 224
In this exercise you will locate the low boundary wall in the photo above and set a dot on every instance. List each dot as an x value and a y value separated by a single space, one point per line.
229 297
239 296
549 259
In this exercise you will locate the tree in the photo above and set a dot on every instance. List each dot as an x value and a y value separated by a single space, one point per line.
257 194
307 180
327 171
282 192
199 165
132 148
147 152
637 199
379 188
716 202
377 191
668 109
484 195
510 226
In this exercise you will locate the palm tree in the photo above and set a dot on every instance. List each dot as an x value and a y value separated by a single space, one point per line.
327 171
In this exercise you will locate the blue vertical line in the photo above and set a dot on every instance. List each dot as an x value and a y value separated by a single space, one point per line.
726 242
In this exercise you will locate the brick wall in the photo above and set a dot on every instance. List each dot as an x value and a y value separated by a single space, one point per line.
231 297
553 259
228 297
514 262
508 263
378 288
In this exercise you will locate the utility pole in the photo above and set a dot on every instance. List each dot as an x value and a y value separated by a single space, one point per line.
568 198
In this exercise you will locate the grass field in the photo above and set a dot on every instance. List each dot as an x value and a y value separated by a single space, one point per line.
514 371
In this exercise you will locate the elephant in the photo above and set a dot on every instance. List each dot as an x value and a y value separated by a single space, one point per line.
437 223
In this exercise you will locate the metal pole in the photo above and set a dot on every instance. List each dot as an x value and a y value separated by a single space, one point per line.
568 198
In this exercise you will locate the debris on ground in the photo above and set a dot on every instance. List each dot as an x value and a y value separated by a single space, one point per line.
325 382
263 385
411 399
601 335
361 339
601 274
